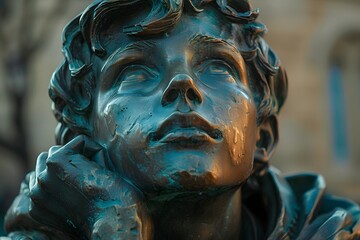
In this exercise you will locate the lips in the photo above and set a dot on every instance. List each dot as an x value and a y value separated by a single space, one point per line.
186 129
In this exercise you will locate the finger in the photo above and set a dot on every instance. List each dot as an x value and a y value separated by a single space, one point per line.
54 149
45 209
83 145
84 176
102 159
70 177
62 199
60 163
40 163
41 213
69 206
76 172
79 147
31 180
65 163
41 160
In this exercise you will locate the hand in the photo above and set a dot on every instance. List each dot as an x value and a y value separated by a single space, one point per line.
72 193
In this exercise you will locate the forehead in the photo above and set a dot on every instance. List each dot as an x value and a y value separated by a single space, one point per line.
208 23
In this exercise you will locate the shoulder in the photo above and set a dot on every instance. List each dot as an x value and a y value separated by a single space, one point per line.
321 215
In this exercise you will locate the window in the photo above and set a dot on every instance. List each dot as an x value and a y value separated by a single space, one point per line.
344 99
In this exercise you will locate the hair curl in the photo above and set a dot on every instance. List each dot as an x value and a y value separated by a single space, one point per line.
73 83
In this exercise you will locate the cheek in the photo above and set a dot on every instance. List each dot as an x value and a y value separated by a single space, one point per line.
107 120
240 134
122 127
121 117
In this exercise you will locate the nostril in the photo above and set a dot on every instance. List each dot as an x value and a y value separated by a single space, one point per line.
193 96
171 95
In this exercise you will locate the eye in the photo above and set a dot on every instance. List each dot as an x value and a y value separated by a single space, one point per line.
138 78
216 70
137 73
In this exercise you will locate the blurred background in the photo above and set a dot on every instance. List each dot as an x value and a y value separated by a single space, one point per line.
318 42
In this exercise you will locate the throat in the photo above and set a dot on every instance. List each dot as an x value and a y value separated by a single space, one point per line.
198 217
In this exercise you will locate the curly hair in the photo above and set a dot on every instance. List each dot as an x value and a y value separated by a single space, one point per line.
73 83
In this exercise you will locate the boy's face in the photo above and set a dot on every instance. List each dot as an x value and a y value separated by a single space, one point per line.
175 113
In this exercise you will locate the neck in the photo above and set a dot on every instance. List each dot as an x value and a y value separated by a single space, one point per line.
198 216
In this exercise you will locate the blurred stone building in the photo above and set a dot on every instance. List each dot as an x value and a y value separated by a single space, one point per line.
319 44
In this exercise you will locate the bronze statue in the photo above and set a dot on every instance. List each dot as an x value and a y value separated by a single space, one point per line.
167 115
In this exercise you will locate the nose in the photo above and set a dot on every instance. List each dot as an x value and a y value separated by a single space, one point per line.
182 86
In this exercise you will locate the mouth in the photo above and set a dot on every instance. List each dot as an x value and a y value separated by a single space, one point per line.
187 130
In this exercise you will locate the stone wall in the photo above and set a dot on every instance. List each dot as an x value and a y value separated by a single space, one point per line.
306 35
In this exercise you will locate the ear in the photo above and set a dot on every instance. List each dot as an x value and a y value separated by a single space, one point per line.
267 139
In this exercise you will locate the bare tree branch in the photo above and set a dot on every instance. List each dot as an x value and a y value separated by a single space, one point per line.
17 62
3 17
46 30
6 144
3 39
26 25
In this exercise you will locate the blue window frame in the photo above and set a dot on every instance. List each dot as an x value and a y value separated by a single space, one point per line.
340 147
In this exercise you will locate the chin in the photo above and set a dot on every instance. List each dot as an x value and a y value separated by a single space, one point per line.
187 186
194 181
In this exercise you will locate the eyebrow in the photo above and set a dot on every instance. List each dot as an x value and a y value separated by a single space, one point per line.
199 41
121 53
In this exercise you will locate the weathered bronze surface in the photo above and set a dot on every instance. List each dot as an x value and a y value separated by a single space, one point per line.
167 115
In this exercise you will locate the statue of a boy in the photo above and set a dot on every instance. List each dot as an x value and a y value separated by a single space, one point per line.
167 114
